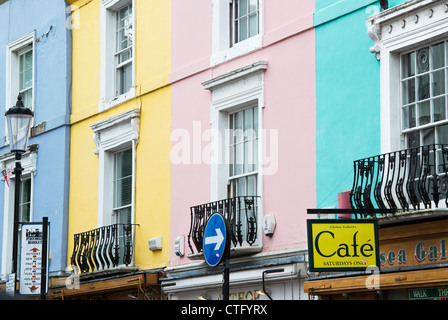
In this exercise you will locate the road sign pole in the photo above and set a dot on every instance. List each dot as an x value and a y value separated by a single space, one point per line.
43 273
226 277
216 247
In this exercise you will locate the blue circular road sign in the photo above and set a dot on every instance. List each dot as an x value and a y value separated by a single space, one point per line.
216 239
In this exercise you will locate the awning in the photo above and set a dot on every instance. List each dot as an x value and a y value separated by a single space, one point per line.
384 281
105 286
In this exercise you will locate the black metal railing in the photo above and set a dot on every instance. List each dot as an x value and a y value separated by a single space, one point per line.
103 248
413 178
240 212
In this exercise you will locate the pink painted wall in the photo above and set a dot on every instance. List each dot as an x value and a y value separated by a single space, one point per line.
288 46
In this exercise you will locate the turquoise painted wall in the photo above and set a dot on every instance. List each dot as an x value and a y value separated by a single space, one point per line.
347 94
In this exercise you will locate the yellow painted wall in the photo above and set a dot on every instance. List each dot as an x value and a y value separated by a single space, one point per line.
153 65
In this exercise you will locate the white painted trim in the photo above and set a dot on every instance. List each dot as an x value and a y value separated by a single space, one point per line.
234 91
12 82
222 50
107 65
12 71
111 135
394 31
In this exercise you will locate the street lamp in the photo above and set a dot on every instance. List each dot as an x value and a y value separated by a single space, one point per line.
19 121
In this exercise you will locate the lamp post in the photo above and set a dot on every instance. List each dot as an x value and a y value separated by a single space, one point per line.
19 121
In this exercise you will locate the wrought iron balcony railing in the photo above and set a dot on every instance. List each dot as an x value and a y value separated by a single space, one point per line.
240 212
413 178
103 248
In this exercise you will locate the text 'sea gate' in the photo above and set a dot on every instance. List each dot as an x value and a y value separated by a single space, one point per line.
342 245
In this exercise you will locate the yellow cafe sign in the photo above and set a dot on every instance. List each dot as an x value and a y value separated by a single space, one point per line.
342 245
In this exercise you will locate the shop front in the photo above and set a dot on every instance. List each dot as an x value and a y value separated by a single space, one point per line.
276 279
412 265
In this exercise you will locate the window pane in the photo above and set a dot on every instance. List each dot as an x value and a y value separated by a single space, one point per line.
231 160
29 60
256 122
28 79
21 63
124 56
122 178
413 139
438 56
238 133
438 83
423 87
27 97
241 186
442 134
408 91
25 201
243 8
248 156
408 65
423 60
123 192
253 25
439 109
126 169
238 161
124 78
424 115
253 5
255 155
124 215
428 136
243 29
409 120
252 185
248 133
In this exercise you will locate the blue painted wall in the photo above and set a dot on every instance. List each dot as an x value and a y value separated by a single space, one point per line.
347 94
52 106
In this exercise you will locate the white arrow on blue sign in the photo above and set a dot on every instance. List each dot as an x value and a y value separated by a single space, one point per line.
216 240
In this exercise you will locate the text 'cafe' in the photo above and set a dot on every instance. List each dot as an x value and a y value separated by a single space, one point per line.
374 259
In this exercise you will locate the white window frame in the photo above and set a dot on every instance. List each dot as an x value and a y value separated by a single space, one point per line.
111 135
237 19
13 50
232 147
232 92
28 163
222 47
432 124
108 80
393 32
116 209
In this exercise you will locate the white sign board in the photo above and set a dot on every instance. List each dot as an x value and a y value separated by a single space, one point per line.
10 283
31 259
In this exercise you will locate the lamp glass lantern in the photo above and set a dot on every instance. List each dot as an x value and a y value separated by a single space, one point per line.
19 120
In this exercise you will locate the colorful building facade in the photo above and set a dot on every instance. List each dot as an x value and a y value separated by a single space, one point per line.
35 61
120 149
151 116
381 141
238 96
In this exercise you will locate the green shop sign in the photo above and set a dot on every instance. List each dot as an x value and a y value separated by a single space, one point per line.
429 294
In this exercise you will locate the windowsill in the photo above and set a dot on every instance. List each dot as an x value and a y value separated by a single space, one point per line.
108 104
239 49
